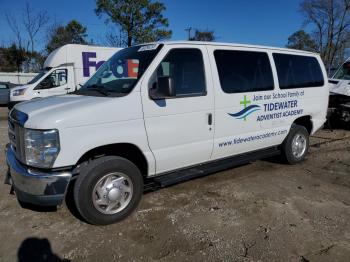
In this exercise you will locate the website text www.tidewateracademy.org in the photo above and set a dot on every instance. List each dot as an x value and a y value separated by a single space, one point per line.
251 138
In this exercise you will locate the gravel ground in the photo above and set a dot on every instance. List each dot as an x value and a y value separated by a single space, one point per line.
264 211
3 113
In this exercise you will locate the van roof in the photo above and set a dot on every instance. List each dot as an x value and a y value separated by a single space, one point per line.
234 45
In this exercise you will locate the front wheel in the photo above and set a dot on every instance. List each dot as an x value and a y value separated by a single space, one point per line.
296 144
108 190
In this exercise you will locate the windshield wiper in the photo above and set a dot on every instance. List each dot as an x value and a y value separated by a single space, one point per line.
97 88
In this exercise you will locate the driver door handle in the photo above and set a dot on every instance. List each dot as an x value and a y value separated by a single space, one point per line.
210 119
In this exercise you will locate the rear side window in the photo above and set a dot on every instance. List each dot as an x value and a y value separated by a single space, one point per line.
296 71
243 71
186 68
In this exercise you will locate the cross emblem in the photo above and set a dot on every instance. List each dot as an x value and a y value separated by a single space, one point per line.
245 102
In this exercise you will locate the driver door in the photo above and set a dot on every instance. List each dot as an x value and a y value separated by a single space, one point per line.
180 129
56 83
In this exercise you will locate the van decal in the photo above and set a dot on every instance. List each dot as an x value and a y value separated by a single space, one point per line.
270 108
252 138
246 111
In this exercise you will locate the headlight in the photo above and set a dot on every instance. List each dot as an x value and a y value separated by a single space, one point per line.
18 92
41 147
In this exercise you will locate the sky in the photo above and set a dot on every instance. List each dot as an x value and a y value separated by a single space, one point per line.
259 22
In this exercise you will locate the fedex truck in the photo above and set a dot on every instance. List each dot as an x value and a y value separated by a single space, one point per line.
65 70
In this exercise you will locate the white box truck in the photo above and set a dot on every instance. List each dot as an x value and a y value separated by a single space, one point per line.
65 69
158 114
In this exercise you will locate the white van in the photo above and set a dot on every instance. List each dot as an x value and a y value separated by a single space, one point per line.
161 113
65 69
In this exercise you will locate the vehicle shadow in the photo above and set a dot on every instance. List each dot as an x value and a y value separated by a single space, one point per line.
38 250
37 208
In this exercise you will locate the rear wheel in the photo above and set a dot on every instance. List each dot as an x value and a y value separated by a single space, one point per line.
108 190
296 144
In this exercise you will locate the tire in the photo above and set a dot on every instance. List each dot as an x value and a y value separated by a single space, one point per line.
296 145
101 184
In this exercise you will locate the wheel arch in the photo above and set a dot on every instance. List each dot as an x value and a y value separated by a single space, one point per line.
126 150
306 122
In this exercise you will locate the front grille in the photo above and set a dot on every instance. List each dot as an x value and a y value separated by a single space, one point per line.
16 136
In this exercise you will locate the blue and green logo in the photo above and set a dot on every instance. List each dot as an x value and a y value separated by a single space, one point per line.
246 111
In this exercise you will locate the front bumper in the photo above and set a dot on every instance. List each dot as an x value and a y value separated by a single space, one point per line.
36 187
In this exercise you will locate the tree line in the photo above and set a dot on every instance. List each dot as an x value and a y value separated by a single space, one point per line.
329 34
140 21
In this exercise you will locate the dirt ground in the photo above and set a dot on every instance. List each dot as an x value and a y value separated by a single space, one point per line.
264 211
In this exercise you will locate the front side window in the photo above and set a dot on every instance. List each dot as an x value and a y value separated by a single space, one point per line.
343 72
3 86
55 79
295 71
186 69
37 77
119 75
243 71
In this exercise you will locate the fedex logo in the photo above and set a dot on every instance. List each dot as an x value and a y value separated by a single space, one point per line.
87 63
125 68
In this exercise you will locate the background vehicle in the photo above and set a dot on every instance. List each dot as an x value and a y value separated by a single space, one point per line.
65 69
158 114
5 92
339 100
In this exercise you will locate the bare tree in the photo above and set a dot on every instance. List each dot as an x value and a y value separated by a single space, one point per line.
116 40
33 23
331 21
15 28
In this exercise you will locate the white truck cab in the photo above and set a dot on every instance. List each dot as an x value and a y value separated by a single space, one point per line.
65 70
161 113
339 99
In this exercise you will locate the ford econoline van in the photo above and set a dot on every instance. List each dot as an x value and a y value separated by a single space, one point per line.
157 114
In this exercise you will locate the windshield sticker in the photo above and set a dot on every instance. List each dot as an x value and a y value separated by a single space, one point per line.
148 47
270 110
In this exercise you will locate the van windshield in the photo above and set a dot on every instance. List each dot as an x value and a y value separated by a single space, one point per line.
37 77
119 75
343 72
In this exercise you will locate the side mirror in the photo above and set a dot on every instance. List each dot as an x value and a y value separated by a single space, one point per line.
164 88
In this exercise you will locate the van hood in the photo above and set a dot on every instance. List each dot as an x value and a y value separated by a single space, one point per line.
71 111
